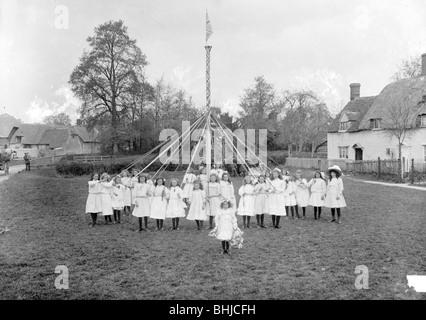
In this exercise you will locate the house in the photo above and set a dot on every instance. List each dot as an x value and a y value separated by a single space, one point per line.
359 131
71 140
44 140
7 125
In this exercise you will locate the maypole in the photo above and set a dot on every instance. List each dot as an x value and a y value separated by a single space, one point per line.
208 115
208 48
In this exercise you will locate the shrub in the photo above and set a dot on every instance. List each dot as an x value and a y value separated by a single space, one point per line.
68 167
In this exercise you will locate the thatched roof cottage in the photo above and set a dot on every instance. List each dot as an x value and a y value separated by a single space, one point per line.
361 130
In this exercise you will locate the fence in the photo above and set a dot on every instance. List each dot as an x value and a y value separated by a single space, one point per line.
87 158
315 163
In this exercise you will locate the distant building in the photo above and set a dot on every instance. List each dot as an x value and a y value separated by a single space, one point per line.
357 133
44 140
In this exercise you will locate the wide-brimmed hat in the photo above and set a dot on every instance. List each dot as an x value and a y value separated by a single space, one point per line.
277 170
335 167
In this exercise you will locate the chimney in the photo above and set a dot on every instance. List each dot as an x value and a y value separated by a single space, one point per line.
424 64
355 90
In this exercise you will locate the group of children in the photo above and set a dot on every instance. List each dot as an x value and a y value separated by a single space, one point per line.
200 199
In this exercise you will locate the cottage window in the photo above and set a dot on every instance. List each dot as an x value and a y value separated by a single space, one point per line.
423 120
375 123
343 152
344 126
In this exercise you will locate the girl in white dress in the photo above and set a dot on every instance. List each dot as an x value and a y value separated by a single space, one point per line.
133 182
143 192
276 198
302 193
213 199
227 191
106 188
203 178
261 202
197 205
94 199
226 225
318 192
117 199
176 205
159 203
126 181
188 184
290 198
334 198
246 205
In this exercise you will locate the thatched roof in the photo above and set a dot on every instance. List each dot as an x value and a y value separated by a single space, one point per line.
410 92
30 133
55 138
85 134
355 111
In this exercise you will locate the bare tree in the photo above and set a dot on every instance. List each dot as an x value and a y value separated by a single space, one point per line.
408 68
398 123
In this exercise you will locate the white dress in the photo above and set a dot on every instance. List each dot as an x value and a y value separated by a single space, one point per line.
143 202
228 193
197 200
127 192
159 203
175 206
276 198
246 205
106 198
318 191
302 192
133 182
261 201
117 194
203 179
94 200
226 223
289 194
334 190
213 203
188 187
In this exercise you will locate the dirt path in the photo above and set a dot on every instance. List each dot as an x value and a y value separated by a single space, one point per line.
404 185
12 170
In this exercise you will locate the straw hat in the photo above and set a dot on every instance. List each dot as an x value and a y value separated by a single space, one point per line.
277 170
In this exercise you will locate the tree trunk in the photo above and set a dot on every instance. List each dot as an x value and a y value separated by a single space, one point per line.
313 149
289 149
400 177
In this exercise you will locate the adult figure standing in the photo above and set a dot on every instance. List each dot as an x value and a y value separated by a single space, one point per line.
27 159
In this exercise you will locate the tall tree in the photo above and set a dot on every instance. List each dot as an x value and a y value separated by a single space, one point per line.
61 119
409 67
106 74
296 110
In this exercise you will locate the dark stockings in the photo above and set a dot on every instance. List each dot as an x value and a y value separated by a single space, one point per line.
108 219
225 246
159 224
94 217
273 220
317 213
277 225
117 216
175 222
333 214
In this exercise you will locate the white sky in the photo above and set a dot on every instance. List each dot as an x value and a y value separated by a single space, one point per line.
319 44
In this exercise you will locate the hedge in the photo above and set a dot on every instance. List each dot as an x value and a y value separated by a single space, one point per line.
74 168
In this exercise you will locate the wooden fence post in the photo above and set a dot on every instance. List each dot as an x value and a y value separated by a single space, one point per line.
378 167
412 171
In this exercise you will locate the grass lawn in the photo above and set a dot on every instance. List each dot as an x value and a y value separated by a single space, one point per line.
383 228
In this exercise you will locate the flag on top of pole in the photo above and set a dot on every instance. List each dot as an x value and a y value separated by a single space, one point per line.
209 29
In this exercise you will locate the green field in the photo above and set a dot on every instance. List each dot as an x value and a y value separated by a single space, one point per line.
383 228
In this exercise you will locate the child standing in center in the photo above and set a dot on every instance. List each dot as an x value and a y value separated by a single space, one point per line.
261 203
213 199
227 189
176 205
117 195
246 205
276 198
197 205
289 197
159 203
106 188
318 191
302 193
143 191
